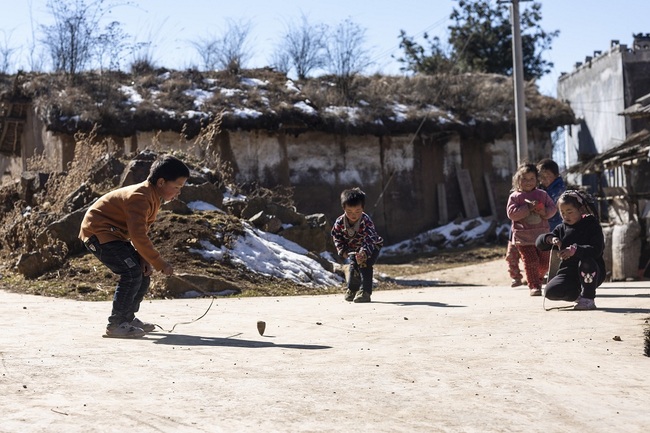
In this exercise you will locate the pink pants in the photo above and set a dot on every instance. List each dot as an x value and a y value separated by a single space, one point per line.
535 264
512 258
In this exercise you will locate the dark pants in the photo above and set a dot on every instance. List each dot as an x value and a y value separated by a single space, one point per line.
570 282
124 261
361 276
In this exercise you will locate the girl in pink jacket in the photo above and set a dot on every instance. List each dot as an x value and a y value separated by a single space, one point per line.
530 208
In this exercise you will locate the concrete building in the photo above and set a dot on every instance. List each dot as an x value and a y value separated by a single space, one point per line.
599 90
608 148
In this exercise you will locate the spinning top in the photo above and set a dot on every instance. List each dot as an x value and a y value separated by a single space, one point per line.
261 326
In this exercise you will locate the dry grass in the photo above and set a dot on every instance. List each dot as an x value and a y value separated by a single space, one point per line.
20 225
89 151
487 98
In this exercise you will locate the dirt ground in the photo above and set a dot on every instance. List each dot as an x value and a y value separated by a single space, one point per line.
437 357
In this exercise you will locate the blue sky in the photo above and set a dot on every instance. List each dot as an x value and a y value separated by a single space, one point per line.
585 26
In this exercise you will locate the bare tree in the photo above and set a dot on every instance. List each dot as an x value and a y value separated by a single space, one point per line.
303 48
234 50
208 48
36 59
111 45
6 52
230 51
281 62
76 36
346 54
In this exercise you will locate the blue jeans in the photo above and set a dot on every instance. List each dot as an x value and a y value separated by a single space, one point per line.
361 277
124 261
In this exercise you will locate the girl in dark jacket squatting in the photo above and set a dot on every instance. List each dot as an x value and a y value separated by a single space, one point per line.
580 243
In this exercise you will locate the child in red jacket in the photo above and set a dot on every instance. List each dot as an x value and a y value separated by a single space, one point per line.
356 238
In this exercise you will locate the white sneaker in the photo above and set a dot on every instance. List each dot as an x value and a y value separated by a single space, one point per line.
146 327
125 330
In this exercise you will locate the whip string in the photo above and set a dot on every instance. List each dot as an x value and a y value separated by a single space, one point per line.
191 321
195 286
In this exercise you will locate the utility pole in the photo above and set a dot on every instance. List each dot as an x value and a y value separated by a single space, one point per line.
518 77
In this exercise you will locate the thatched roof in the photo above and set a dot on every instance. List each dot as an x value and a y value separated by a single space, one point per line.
184 101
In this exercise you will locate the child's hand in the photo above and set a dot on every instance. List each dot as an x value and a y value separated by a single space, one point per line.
535 206
556 242
361 257
568 252
168 270
147 269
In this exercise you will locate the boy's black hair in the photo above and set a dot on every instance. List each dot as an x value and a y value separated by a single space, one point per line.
168 168
550 165
353 197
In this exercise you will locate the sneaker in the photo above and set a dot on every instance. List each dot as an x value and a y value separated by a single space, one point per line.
125 330
516 282
584 304
349 295
146 327
536 291
361 296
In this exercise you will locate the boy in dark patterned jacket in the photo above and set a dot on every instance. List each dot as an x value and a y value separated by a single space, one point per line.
356 238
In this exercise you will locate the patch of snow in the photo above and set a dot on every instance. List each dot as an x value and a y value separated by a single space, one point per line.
269 254
229 197
246 113
351 113
399 113
199 95
190 114
291 86
134 97
169 113
307 109
203 206
452 234
209 251
230 92
254 82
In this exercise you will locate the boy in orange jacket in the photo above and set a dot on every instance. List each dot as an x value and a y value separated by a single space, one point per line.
115 229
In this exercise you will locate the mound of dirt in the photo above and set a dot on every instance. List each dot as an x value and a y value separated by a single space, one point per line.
177 234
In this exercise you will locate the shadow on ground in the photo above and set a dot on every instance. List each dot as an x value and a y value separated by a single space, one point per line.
195 340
